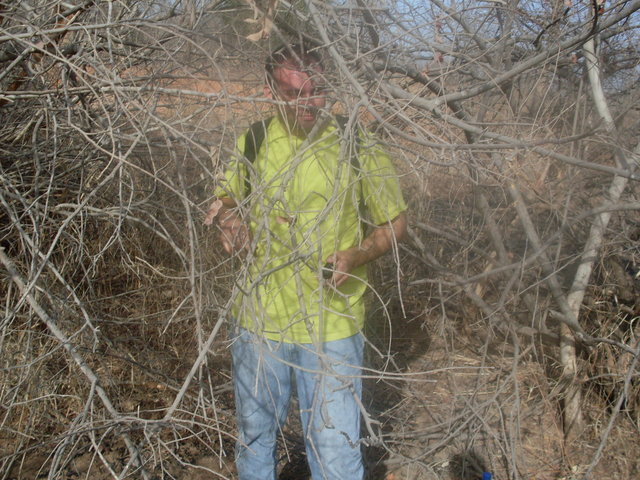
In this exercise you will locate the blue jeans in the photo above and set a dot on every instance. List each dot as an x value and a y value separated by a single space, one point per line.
328 384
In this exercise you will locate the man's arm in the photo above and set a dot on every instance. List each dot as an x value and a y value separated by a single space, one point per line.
234 231
376 244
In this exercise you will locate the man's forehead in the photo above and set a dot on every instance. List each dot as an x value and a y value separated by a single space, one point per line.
295 75
295 69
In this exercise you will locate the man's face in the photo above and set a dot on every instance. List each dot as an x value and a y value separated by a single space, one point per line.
304 92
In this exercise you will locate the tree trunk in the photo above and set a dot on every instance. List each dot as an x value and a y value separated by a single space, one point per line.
573 419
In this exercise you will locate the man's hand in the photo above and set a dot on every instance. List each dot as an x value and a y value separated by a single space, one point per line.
234 233
213 211
341 263
377 243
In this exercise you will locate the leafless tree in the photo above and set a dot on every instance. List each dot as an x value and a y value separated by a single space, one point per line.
514 125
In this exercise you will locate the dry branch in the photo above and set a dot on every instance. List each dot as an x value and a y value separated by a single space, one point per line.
68 345
117 119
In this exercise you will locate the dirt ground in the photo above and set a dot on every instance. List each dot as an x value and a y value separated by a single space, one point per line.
451 406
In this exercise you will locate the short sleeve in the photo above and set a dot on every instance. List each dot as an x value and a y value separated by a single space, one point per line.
232 181
380 183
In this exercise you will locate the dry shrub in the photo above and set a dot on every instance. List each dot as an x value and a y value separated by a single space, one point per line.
613 311
114 132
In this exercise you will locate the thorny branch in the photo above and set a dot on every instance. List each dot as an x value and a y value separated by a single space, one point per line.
117 119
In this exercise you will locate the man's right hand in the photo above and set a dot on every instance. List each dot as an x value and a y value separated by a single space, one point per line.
234 233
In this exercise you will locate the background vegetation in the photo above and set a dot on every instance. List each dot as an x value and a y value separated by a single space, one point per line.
505 333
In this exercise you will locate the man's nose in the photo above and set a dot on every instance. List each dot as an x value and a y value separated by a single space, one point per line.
305 101
310 100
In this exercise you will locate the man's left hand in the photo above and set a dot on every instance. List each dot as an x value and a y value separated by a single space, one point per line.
342 263
377 243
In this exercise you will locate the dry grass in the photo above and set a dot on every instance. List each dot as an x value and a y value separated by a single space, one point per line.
114 360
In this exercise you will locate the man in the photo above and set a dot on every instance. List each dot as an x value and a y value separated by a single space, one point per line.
301 311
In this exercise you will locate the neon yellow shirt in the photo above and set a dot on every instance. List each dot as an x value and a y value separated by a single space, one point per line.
303 205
